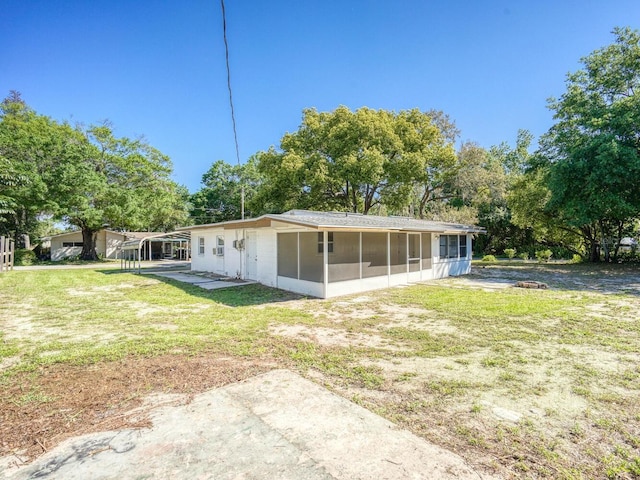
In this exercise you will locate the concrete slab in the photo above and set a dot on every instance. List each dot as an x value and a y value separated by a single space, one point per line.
203 282
277 425
184 277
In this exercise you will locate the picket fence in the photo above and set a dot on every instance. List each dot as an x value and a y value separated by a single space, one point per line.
7 254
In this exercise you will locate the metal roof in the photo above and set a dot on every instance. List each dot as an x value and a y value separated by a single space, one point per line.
345 220
154 236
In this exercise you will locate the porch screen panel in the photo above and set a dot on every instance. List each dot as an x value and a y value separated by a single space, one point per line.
398 253
288 255
311 262
426 251
414 252
374 255
344 261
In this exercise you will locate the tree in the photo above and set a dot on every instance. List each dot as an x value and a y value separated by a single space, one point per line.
351 161
116 182
25 140
85 177
593 149
528 199
220 197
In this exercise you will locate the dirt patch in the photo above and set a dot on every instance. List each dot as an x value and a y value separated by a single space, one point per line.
331 337
101 289
39 411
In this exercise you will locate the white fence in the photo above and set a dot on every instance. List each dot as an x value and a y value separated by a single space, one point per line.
7 252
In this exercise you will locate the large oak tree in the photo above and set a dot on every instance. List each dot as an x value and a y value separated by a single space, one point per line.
87 177
593 150
352 161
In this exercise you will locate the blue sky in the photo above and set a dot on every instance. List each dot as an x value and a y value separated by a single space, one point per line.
156 68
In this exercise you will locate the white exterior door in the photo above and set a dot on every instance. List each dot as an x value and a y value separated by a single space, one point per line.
251 249
219 253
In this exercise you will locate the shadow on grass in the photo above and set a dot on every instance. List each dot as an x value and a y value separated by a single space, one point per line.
605 278
236 295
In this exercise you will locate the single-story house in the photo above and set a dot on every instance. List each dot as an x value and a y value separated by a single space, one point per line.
69 244
329 254
109 243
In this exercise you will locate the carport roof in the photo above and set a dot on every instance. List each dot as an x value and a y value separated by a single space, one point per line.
344 220
142 237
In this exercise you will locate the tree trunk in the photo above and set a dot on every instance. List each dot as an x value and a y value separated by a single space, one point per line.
88 244
604 242
619 239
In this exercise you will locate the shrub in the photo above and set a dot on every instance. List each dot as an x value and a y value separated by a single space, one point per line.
544 255
524 256
561 252
629 257
489 258
24 257
576 258
510 252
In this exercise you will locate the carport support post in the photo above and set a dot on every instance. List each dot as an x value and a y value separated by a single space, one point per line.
139 257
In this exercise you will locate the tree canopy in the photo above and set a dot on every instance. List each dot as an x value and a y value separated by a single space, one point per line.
219 199
352 161
593 149
86 177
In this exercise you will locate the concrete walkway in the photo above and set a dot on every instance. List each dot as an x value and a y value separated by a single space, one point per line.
274 426
208 283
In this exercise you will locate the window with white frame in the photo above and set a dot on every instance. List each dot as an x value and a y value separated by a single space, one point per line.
453 246
321 242
200 245
72 244
463 246
220 246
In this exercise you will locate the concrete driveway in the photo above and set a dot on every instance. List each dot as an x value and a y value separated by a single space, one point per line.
273 426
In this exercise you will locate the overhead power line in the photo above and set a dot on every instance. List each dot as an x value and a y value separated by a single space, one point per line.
233 115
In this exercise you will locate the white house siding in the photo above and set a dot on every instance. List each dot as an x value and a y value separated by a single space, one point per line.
109 244
234 261
265 256
204 261
101 243
446 267
302 287
58 252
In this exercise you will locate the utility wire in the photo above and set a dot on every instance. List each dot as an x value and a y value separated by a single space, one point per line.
233 115
226 51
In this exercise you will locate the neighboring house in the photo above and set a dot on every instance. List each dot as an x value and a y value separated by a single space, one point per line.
628 244
108 243
330 254
67 245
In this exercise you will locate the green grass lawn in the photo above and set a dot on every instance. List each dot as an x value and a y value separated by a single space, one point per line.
523 383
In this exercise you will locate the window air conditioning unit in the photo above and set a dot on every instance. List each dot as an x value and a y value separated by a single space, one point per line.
238 244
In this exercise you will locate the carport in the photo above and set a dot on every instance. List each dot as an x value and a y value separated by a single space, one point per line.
174 246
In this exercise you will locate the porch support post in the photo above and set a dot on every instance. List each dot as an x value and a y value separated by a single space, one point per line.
325 262
388 259
360 249
421 277
407 256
